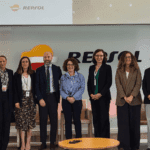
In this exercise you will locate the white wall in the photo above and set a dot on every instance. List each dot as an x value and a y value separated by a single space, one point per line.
64 39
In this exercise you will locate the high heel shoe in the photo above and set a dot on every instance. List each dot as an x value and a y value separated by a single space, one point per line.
28 148
22 148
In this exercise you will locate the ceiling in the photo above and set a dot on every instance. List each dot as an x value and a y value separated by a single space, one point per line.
111 11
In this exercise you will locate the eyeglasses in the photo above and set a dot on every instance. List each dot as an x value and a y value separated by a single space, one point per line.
70 65
129 57
99 56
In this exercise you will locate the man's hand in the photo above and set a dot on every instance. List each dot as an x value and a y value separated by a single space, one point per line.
42 102
17 105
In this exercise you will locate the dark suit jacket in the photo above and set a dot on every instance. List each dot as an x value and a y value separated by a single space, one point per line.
9 90
41 82
104 79
146 85
128 86
18 87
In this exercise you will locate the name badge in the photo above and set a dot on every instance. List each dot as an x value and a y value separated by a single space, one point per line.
4 88
94 81
27 93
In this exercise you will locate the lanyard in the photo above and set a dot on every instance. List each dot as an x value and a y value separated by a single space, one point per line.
95 73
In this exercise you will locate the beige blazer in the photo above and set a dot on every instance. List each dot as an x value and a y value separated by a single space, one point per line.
128 86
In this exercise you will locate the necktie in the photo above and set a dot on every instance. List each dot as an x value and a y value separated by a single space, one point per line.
48 81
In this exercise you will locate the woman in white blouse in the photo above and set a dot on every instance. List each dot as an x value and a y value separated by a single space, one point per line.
25 110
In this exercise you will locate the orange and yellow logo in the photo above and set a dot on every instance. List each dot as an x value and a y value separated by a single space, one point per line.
15 7
36 55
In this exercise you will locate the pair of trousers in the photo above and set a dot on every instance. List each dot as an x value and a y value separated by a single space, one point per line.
51 110
147 108
129 126
72 110
100 111
5 119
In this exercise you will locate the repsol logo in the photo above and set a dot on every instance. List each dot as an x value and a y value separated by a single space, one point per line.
87 56
33 7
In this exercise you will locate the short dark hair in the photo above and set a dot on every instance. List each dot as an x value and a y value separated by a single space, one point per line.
104 53
3 56
20 69
74 61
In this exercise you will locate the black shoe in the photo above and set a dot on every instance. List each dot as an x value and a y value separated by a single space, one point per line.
148 149
53 145
42 147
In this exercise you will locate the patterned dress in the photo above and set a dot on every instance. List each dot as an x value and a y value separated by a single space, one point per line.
25 115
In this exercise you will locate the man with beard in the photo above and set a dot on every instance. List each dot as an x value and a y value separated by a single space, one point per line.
48 95
6 102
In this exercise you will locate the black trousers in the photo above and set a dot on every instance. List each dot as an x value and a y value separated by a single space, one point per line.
129 126
100 111
74 110
51 110
5 119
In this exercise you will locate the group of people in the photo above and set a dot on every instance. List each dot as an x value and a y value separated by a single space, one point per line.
23 90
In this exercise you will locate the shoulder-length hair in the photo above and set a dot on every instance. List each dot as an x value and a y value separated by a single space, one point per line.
74 61
104 53
122 64
20 68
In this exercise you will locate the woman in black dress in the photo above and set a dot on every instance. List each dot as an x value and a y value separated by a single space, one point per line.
25 110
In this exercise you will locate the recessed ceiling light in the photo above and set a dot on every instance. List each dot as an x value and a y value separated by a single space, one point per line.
110 5
98 18
130 5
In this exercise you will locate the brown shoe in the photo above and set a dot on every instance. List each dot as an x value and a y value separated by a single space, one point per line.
42 147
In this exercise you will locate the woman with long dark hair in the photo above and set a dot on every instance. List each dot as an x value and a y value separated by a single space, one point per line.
25 110
128 101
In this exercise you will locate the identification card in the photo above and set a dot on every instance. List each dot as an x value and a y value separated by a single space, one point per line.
27 93
94 81
4 88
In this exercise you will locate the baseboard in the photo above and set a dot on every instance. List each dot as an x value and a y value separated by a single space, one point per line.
13 131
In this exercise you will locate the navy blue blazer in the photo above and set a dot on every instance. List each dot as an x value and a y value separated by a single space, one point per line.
41 82
104 81
18 88
9 90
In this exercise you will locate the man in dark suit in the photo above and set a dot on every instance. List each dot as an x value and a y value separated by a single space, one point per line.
6 102
146 91
48 95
